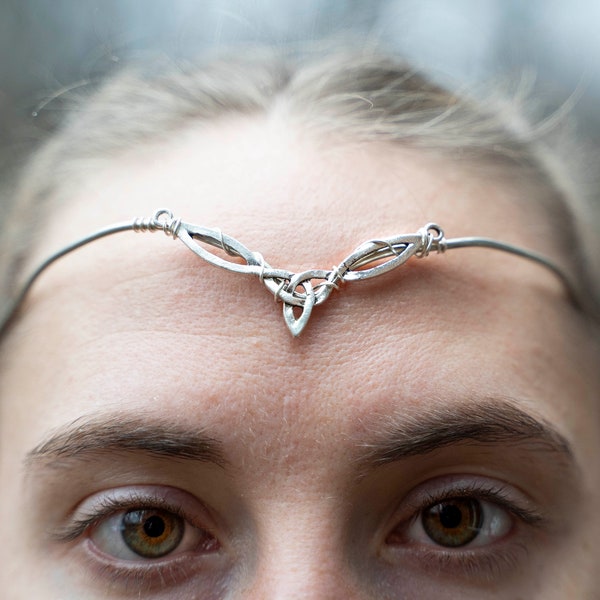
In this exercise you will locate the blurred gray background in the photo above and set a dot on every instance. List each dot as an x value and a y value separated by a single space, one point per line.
47 46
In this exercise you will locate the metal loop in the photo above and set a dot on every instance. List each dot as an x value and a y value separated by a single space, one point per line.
432 238
321 291
162 220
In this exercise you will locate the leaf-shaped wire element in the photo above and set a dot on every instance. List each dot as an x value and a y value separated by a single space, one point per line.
308 298
190 234
375 252
297 325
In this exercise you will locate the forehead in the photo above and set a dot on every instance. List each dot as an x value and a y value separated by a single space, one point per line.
141 320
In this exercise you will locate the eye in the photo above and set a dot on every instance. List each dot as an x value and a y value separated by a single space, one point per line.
470 529
457 522
142 524
142 539
454 514
148 533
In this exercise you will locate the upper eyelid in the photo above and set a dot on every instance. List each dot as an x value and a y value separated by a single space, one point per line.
487 489
82 518
493 497
79 525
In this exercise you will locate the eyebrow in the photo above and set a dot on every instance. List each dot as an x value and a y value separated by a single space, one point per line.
113 433
489 423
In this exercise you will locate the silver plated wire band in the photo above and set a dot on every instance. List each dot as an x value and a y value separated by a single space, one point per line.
299 292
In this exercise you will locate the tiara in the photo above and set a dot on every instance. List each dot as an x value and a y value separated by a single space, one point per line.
298 292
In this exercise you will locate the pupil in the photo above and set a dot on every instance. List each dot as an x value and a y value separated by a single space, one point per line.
154 527
450 516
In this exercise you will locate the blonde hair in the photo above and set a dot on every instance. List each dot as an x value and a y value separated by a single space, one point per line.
363 96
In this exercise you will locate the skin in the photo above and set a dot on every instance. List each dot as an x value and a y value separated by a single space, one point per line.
136 332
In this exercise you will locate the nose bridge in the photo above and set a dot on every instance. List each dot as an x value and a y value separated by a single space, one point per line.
287 576
301 554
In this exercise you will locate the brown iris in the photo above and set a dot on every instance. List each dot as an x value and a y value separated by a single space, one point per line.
151 532
454 522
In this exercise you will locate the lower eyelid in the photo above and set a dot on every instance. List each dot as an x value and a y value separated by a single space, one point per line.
471 566
143 578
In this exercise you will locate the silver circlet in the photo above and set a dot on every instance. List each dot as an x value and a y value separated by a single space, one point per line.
301 291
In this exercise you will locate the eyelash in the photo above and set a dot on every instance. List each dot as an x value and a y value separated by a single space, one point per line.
480 561
496 494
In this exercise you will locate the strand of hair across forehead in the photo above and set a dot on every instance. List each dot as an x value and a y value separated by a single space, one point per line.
299 292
